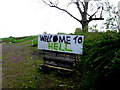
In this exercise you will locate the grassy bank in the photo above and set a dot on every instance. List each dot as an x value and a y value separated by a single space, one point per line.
18 39
98 69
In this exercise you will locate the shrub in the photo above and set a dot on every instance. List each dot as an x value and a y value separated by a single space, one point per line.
100 63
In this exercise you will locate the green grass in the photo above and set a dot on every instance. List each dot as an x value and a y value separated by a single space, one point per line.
18 39
33 42
25 73
22 74
26 39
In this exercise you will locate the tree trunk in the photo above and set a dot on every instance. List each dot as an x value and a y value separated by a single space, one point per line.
85 26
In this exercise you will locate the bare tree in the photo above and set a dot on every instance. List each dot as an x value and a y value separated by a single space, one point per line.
82 6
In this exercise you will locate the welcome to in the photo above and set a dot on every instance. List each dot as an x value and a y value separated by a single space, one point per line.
62 43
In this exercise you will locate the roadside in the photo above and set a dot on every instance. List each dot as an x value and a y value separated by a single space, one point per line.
28 42
20 65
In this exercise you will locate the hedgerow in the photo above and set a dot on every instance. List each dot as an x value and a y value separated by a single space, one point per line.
100 62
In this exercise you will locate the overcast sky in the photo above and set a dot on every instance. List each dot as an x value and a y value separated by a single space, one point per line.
32 17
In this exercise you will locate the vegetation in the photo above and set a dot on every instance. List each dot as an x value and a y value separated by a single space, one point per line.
18 39
98 69
31 42
100 62
20 68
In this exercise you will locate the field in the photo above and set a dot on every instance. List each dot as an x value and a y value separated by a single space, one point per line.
26 40
20 69
98 69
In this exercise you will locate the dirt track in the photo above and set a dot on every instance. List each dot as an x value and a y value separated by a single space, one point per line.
15 53
15 60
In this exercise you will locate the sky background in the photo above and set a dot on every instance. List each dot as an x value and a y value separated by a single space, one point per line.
32 17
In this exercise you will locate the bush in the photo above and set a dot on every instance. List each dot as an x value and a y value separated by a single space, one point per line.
100 63
79 31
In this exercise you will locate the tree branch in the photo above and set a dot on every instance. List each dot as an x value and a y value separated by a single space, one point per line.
91 17
86 6
55 6
78 6
97 19
82 8
72 2
95 12
67 13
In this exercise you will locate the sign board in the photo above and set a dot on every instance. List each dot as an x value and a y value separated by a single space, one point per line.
61 43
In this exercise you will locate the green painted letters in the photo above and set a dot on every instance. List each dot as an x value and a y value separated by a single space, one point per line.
55 46
59 46
50 45
66 48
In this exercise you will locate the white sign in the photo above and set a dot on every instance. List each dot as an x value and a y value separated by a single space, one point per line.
61 43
